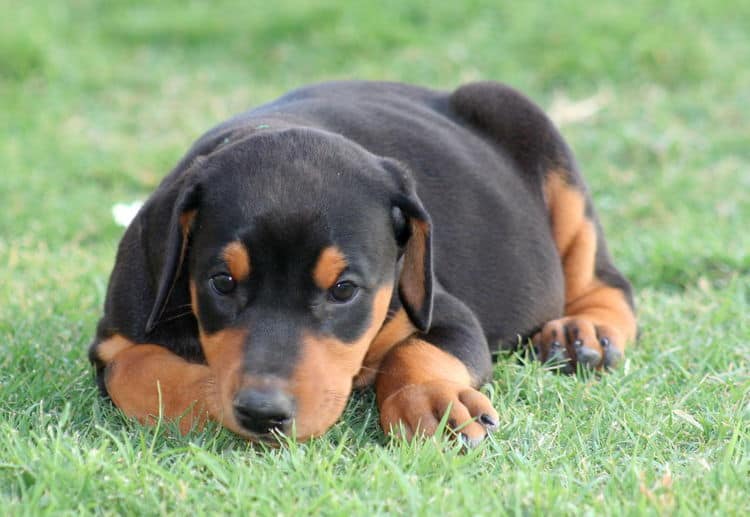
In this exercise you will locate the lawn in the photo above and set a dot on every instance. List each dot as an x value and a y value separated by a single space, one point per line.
99 99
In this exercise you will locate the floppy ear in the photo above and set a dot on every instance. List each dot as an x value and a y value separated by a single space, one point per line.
413 230
174 248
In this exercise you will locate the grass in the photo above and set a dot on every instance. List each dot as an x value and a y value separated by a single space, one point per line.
98 100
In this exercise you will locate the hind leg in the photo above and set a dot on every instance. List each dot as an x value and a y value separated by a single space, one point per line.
599 318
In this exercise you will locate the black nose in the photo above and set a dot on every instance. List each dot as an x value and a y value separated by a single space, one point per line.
263 410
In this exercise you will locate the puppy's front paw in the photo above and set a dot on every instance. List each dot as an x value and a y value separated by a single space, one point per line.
420 407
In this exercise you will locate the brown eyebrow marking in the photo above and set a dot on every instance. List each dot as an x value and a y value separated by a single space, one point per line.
237 257
331 263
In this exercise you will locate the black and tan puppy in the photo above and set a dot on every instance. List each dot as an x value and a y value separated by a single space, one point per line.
354 233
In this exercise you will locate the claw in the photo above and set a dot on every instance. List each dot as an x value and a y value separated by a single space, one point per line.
488 422
470 442
612 356
588 356
556 353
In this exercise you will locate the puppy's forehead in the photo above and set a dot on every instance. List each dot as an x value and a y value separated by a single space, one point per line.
297 167
294 192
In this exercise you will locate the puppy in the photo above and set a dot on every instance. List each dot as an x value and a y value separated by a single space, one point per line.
359 233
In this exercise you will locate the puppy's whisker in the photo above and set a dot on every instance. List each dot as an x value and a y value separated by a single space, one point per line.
176 316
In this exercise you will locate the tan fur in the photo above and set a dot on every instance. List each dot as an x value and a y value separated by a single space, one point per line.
396 330
418 383
415 362
331 263
413 272
148 381
589 303
109 348
322 379
237 258
224 355
186 222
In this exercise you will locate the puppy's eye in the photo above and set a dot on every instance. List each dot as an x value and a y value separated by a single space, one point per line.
223 283
343 291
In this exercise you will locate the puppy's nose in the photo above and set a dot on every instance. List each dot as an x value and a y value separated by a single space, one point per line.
262 410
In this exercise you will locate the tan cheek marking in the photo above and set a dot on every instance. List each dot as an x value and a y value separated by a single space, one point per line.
224 352
331 263
416 362
322 380
392 333
237 258
109 348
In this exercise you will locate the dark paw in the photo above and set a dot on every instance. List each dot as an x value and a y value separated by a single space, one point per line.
565 343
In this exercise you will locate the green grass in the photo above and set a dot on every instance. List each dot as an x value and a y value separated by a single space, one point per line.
99 99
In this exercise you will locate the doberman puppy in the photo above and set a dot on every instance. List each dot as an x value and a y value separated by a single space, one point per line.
353 233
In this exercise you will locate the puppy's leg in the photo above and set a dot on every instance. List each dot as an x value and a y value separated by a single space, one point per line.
428 374
146 381
599 318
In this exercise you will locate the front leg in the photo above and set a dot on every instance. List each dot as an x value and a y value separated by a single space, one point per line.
430 374
146 381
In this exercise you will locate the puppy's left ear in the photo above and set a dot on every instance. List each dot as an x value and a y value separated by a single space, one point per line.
413 231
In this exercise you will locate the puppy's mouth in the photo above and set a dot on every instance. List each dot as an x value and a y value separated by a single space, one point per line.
272 439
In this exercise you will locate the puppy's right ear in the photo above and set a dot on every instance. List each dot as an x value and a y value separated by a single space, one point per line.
148 292
169 248
146 287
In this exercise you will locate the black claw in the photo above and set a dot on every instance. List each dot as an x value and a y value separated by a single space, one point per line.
487 421
612 357
588 356
558 358
469 442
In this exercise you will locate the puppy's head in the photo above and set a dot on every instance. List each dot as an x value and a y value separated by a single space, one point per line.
292 244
